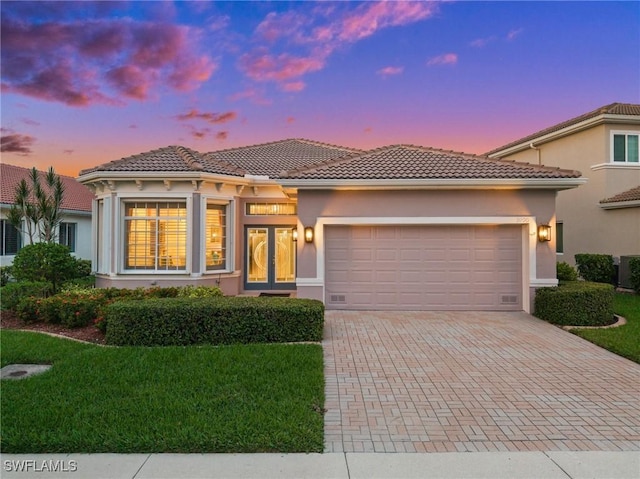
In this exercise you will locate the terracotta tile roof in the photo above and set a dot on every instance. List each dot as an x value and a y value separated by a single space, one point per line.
627 109
272 158
264 159
630 195
77 197
416 162
170 158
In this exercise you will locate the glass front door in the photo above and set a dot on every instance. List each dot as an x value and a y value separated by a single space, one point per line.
270 257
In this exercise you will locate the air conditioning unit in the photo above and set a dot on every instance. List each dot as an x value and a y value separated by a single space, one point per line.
624 275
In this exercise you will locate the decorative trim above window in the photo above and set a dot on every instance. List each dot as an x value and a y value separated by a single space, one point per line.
624 147
271 209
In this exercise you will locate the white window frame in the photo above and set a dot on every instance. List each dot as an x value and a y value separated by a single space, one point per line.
229 240
626 133
67 224
123 233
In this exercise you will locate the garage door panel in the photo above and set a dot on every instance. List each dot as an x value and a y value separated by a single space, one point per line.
424 267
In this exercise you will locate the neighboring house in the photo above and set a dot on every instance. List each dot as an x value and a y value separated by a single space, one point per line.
403 227
74 230
603 216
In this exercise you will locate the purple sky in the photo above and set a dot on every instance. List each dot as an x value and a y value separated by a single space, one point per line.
88 82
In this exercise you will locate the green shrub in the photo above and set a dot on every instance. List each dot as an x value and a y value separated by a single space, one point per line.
29 310
566 272
79 312
79 283
199 292
13 293
82 268
50 262
596 267
576 303
634 266
5 275
220 320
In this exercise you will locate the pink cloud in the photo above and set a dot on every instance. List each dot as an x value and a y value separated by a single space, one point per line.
293 86
133 126
213 118
326 29
262 67
222 135
30 122
445 59
276 25
482 42
368 129
373 16
68 152
514 33
290 120
83 62
16 143
251 94
389 71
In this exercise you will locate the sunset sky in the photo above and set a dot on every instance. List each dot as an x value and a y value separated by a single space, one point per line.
84 83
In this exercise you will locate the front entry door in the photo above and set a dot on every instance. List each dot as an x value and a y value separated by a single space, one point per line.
270 255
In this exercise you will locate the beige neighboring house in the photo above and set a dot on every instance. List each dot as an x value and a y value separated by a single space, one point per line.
398 228
74 230
603 216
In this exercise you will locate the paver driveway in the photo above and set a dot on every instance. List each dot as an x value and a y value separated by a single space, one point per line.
471 381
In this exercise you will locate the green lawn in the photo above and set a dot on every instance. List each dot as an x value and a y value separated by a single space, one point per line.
624 340
247 398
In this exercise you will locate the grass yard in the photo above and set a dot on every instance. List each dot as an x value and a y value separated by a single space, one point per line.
624 340
246 398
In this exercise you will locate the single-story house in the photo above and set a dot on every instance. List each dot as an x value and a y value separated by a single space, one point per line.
603 216
74 230
401 227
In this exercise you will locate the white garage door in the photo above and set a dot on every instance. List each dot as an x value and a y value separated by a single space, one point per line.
423 267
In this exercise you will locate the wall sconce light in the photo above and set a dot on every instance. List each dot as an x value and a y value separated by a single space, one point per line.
544 233
308 234
294 233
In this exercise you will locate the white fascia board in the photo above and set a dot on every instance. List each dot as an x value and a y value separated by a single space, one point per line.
160 176
536 183
619 205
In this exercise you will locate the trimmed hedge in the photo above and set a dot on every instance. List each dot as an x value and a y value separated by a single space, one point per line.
225 320
634 266
13 293
576 303
566 272
598 268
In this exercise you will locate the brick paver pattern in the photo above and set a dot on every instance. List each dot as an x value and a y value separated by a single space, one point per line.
472 381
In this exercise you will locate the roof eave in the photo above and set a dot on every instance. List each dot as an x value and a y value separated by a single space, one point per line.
159 175
428 184
616 205
569 130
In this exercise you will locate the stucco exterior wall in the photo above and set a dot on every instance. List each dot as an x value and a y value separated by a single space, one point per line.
315 206
108 230
83 235
588 228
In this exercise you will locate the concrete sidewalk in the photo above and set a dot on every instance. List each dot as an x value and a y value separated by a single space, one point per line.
493 465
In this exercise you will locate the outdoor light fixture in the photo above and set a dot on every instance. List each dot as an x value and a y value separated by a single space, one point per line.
294 233
308 234
544 233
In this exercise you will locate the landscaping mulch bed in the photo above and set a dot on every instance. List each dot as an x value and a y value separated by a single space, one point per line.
90 334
